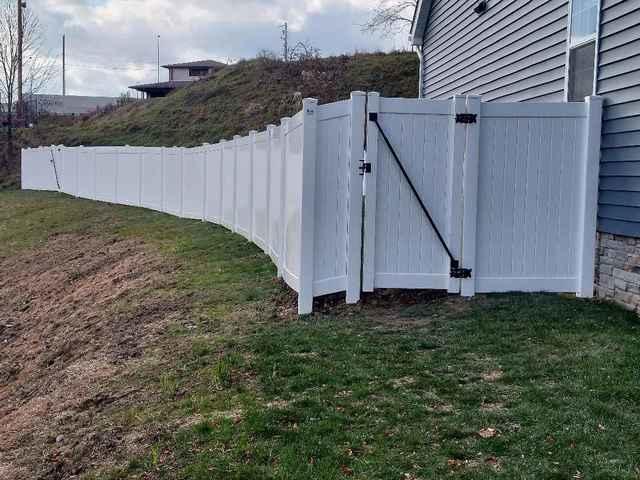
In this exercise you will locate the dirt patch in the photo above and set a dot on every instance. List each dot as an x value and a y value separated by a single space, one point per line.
76 315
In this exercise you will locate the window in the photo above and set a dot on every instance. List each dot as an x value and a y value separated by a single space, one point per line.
581 65
198 72
584 21
583 26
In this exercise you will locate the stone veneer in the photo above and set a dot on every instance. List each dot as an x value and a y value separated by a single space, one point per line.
618 270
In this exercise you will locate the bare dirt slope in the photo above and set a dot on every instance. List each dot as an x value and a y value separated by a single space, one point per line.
76 315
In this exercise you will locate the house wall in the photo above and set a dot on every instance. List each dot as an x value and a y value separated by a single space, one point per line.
618 270
515 51
182 75
619 83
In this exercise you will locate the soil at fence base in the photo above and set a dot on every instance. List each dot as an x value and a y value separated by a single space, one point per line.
75 317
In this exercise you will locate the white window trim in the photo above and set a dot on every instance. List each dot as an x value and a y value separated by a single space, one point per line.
570 46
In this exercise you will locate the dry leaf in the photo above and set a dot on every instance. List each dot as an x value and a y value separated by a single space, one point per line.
488 432
346 470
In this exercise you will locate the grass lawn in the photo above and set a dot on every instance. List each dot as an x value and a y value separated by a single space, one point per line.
399 387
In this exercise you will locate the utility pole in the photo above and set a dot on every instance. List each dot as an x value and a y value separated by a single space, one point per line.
285 40
21 4
158 58
64 65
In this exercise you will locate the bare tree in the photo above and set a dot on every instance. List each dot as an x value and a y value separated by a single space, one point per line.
38 66
390 17
303 51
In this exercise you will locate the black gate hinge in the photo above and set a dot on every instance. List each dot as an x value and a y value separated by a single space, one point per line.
466 118
457 272
365 167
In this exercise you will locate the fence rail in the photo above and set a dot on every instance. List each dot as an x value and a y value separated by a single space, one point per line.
512 191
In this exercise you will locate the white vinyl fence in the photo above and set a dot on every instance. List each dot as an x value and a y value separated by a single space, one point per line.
510 189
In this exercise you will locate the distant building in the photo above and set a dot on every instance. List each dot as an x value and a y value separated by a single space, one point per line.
180 75
67 104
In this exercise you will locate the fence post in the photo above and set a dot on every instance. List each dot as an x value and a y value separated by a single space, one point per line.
94 159
457 145
252 213
140 173
368 264
588 207
354 225
162 181
77 152
235 183
219 217
282 241
270 132
470 193
181 181
307 207
205 150
117 174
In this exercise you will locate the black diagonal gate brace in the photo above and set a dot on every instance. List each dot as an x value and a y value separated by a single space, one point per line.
456 271
55 170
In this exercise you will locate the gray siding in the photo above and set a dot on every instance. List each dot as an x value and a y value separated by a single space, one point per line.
619 83
516 51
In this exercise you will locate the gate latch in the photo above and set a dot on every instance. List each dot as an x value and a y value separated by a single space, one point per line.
457 272
365 167
466 118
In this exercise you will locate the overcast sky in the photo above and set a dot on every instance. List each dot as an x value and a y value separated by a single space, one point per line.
111 44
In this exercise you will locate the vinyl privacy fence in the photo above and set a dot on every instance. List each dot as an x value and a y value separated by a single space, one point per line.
458 195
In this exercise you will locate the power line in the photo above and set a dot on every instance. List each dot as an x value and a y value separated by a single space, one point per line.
107 68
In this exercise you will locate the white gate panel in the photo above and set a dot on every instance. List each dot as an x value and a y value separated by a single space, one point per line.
86 173
401 247
275 193
529 198
152 178
106 174
129 176
331 198
213 207
173 181
229 184
243 187
261 190
193 183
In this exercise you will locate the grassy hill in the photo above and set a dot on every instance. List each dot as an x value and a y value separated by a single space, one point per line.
246 96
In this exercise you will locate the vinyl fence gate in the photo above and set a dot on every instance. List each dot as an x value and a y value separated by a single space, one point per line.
458 195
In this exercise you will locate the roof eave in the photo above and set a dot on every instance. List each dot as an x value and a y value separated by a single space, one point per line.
420 22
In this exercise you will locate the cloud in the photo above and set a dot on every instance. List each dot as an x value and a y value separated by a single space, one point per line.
111 44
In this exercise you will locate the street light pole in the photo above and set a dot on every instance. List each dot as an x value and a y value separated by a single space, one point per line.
21 4
158 58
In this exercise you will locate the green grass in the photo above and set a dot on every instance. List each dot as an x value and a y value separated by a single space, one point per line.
387 390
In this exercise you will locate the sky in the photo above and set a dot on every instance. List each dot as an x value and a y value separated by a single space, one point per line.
111 44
